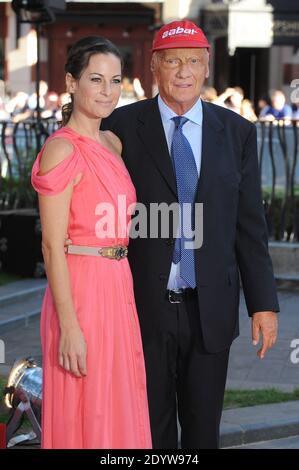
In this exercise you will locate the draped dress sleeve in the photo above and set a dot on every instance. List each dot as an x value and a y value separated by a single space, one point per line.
60 176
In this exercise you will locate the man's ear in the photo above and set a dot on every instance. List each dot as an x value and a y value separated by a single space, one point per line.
154 62
207 63
70 83
153 65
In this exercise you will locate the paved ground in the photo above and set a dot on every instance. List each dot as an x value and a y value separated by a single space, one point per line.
21 342
286 443
245 371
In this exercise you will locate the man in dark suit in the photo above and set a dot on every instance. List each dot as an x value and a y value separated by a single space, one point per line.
188 301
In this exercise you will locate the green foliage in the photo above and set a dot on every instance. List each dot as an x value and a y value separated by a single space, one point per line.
241 398
281 225
17 192
4 413
5 278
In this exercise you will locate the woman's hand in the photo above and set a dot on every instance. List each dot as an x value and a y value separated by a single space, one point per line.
72 351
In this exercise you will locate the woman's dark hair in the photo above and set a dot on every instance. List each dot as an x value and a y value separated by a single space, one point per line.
78 59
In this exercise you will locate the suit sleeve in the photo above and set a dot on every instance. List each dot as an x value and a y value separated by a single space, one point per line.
109 123
252 238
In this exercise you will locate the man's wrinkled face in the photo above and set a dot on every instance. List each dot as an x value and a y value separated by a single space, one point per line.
180 74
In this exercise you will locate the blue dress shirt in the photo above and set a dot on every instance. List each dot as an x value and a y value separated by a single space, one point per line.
193 132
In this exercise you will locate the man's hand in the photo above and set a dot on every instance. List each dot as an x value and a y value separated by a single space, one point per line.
266 323
67 242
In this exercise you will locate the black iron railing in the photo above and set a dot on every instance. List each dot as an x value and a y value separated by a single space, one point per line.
279 172
18 147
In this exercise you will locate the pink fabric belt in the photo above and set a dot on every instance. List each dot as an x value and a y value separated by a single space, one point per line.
113 252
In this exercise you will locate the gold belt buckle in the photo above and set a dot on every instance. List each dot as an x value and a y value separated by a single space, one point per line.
114 252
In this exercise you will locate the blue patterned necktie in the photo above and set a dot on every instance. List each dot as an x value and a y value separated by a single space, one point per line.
186 180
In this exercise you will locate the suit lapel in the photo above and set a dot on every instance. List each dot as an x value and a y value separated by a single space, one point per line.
212 140
151 132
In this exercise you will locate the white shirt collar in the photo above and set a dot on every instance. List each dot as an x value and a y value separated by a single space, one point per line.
194 114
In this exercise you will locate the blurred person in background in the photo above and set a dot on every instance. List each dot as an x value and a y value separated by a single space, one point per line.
2 90
247 110
231 99
4 114
209 93
278 109
63 99
263 102
43 90
139 91
128 94
51 106
18 107
295 110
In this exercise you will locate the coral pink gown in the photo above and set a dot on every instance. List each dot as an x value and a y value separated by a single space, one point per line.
107 408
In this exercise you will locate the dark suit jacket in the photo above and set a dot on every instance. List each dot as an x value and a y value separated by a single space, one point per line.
234 228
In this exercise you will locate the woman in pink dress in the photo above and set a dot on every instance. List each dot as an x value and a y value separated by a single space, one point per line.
94 383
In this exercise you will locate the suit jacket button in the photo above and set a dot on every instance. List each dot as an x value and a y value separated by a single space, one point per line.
169 242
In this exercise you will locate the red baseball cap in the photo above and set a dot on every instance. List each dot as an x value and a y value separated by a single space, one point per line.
179 34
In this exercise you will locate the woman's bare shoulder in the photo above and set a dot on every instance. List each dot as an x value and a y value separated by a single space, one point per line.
55 151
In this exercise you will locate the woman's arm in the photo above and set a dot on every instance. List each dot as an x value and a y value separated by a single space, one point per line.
54 213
